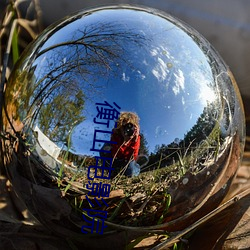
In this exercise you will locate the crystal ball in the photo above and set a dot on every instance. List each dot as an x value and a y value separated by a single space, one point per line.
118 120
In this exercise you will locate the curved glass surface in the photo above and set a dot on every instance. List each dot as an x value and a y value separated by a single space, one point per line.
79 85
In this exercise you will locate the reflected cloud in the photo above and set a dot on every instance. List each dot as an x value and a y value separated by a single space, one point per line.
125 78
154 52
159 131
161 70
179 82
145 62
142 76
182 100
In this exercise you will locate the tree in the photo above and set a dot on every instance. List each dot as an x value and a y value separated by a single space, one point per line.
58 117
144 146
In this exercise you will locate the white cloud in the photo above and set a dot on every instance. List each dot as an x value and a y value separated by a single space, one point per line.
179 82
125 78
154 52
161 70
183 100
159 132
142 76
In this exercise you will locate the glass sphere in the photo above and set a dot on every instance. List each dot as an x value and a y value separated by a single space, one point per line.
123 116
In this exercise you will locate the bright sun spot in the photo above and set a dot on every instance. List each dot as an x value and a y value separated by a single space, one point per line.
206 95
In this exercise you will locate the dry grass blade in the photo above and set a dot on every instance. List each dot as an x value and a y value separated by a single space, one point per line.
11 33
169 242
28 25
13 17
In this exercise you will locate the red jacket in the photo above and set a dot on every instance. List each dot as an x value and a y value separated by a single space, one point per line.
126 151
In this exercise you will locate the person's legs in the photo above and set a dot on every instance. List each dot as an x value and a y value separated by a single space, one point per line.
142 160
133 169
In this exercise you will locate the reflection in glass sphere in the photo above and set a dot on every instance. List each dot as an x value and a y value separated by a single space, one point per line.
122 110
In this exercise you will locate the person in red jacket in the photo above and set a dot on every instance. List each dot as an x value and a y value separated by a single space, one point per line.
125 152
